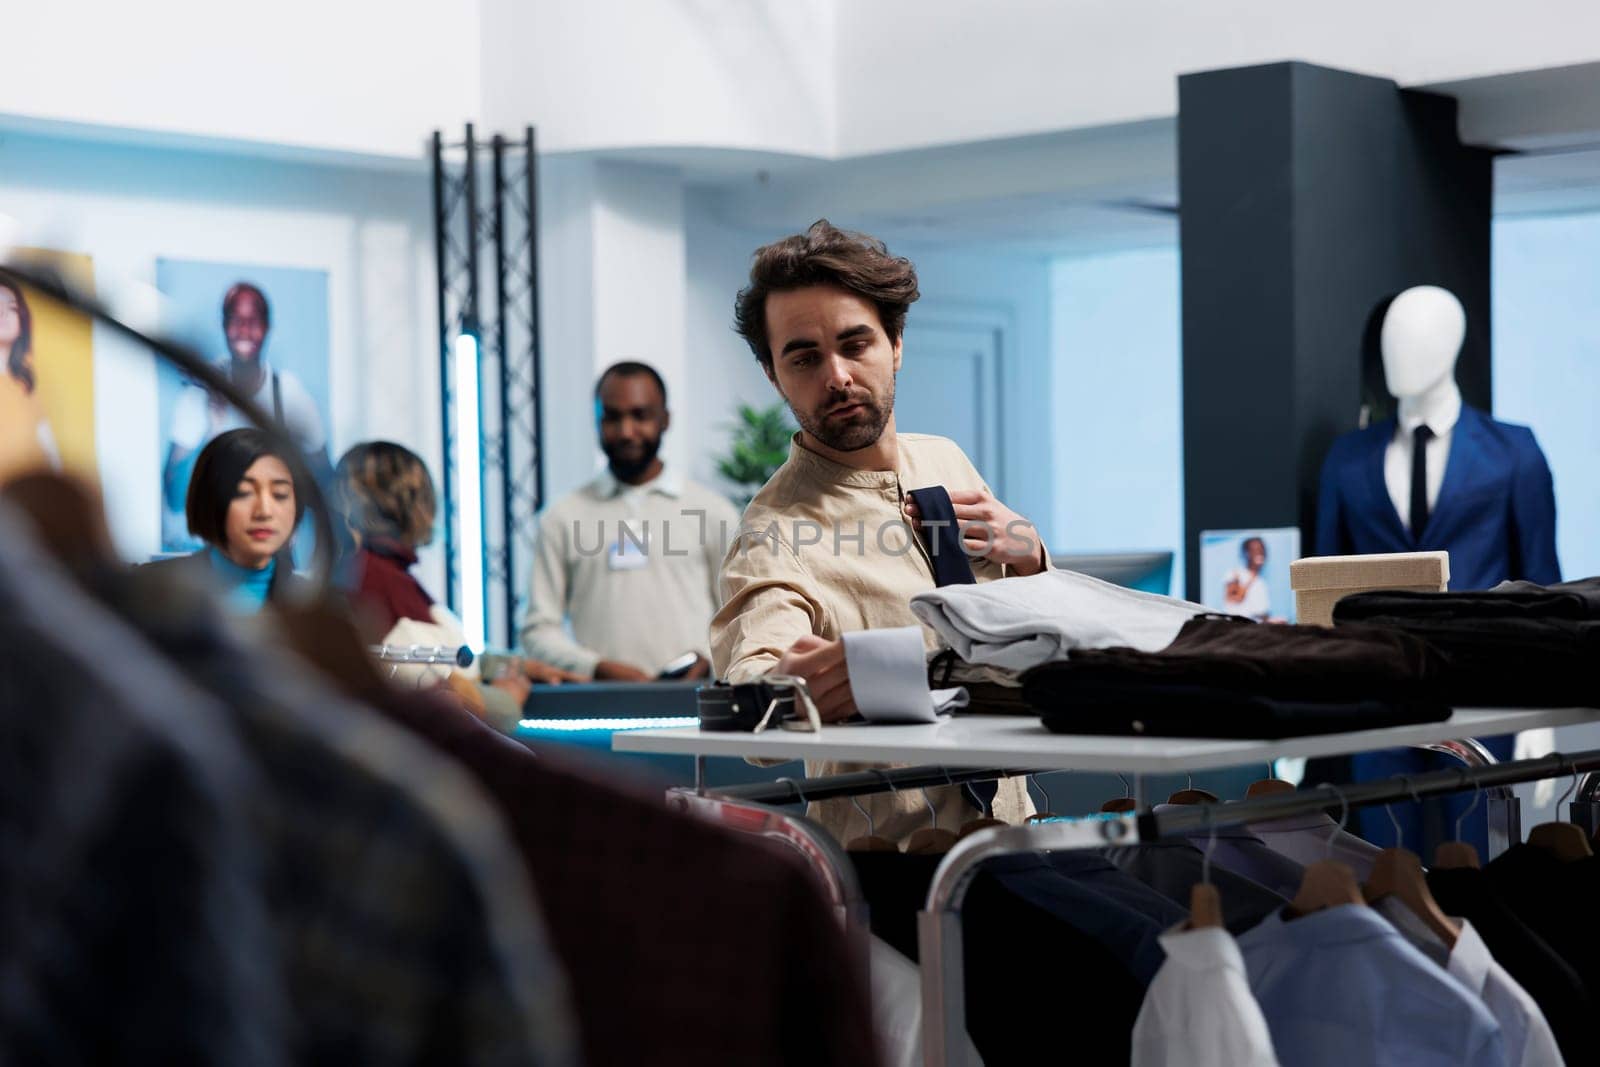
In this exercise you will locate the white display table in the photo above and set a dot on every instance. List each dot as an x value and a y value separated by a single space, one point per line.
1023 742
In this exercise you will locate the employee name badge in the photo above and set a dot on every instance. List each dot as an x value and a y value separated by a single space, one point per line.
626 553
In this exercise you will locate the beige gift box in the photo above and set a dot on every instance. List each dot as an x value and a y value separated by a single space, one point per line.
1319 582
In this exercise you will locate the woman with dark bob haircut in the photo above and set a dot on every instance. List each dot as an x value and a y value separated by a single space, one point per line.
244 503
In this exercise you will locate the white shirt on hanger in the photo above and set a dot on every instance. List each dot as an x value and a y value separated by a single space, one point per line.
1199 1011
1397 457
1529 1041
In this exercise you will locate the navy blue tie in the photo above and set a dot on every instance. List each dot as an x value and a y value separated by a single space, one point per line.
941 536
1419 481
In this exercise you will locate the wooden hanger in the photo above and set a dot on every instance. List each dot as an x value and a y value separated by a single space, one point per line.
1326 884
869 841
1267 787
970 828
1205 903
1397 872
929 841
1458 853
1191 795
1564 840
1205 906
1455 854
1041 816
1126 802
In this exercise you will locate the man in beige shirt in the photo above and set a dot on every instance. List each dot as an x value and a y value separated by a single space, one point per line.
631 558
825 547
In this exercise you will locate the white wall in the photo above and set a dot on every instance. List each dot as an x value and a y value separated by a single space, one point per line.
368 76
125 207
724 372
1115 339
613 287
745 74
1014 290
920 72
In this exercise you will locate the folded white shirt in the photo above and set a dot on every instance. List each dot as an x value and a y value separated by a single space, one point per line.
1019 623
889 677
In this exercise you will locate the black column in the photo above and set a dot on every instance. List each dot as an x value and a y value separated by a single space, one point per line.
1309 197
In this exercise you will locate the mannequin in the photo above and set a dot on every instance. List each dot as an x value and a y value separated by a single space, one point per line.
1486 497
1486 493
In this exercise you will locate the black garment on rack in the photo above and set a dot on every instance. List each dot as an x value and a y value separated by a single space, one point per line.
1557 901
1226 677
1173 867
1516 645
1021 913
1528 958
895 887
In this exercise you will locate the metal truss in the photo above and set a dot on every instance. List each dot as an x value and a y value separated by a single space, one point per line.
486 234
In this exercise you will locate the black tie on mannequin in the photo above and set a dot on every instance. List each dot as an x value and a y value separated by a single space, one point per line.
1419 480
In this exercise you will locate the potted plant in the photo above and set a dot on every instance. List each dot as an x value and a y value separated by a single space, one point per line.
760 445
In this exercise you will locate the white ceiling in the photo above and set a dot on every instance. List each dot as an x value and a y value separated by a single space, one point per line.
1111 188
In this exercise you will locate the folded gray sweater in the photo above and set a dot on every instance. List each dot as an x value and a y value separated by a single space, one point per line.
1019 623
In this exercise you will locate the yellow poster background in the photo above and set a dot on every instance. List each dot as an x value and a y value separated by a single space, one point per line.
63 359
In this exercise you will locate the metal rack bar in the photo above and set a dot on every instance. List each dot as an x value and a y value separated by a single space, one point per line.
816 846
786 791
441 226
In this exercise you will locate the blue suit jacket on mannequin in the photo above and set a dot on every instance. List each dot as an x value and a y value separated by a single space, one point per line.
1496 516
1496 513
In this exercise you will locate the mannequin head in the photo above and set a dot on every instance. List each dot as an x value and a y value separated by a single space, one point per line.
1421 338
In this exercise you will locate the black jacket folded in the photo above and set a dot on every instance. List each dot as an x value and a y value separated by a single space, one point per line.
1576 601
1223 677
1516 645
1160 709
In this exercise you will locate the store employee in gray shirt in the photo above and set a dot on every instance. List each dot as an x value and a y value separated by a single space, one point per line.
631 559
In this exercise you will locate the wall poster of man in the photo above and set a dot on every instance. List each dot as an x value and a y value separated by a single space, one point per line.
267 329
1246 572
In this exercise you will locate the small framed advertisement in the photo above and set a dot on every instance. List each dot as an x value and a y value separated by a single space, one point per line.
1246 572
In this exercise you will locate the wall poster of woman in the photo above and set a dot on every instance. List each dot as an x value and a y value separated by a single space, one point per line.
47 360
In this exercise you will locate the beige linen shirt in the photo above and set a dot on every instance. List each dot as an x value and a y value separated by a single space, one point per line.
634 569
824 549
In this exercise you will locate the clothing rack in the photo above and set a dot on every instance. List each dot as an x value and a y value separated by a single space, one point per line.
457 656
939 925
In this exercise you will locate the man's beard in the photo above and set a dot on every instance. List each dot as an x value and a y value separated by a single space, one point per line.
861 430
628 466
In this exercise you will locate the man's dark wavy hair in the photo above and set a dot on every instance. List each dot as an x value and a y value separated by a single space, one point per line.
825 255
